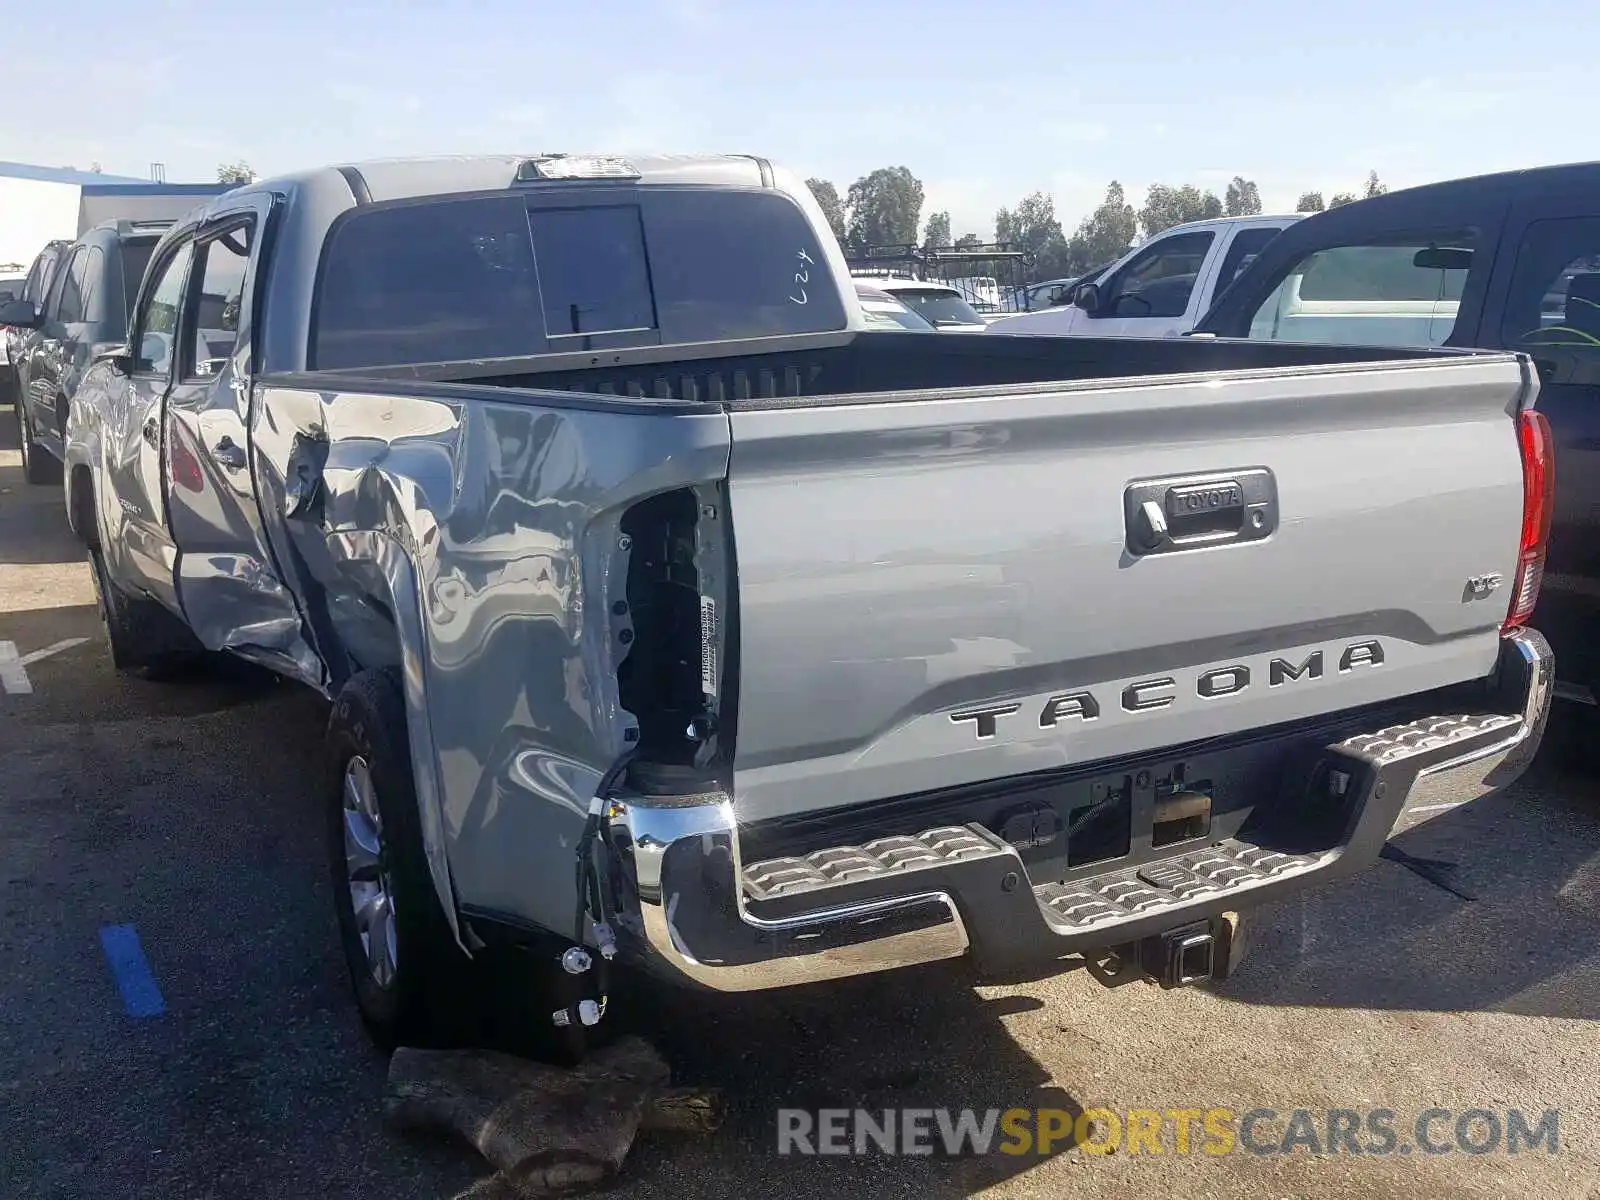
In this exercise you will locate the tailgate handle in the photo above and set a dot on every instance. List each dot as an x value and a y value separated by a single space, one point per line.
1190 512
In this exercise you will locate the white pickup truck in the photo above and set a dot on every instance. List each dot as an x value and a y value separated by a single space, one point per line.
1160 288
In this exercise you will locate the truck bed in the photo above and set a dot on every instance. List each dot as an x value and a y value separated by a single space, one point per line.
879 363
931 559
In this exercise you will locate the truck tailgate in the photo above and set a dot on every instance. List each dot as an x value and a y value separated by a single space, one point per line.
941 589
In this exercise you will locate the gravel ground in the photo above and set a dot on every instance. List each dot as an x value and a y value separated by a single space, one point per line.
191 812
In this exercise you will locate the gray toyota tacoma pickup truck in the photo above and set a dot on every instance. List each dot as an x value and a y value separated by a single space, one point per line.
670 618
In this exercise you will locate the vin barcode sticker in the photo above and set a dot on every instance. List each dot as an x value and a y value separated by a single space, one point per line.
708 645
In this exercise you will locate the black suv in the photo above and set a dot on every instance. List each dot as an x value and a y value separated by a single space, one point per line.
55 337
1503 262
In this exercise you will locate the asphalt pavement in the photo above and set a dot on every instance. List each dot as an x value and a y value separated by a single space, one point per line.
188 818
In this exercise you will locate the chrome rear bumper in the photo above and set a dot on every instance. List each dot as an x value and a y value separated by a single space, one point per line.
694 911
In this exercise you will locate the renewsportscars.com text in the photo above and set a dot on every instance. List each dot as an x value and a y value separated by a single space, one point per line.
1181 1131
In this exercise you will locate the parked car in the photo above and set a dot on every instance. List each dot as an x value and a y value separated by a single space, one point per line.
1159 289
880 310
1508 262
84 312
532 465
942 305
36 283
10 288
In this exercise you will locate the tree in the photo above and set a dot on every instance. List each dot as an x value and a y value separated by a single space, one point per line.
238 172
1309 202
1374 188
1105 234
827 197
1166 206
967 241
1242 199
1032 227
937 234
1342 198
884 208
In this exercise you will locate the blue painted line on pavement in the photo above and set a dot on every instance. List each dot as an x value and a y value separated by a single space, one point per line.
129 967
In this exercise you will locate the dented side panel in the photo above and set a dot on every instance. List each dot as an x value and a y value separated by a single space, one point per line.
507 517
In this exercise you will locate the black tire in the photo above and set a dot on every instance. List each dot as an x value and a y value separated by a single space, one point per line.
425 1002
145 639
37 466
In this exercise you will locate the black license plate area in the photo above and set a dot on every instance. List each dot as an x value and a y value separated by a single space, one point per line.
1128 817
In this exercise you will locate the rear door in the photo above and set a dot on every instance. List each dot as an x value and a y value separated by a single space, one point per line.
139 548
228 583
1545 301
1243 243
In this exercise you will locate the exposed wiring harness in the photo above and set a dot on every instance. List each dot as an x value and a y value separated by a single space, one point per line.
591 891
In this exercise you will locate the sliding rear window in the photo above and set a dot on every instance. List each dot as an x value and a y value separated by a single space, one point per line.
504 276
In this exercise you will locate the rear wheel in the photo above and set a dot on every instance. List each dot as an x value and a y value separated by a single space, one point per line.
37 465
145 639
405 968
413 984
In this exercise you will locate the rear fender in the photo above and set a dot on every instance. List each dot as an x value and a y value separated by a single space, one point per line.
383 568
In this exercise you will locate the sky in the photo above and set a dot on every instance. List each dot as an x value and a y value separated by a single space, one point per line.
984 102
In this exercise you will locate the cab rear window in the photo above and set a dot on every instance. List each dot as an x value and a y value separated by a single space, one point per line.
505 276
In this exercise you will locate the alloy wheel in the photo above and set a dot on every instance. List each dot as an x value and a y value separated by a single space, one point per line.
367 871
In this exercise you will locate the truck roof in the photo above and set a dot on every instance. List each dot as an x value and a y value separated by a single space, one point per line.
408 178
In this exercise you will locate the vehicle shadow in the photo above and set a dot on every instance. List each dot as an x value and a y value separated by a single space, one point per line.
33 521
76 684
1489 908
870 1043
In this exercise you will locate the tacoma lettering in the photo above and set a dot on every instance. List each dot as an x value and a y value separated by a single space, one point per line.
984 719
1147 695
1282 670
1074 704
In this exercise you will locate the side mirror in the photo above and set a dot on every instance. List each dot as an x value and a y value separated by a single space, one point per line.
121 361
20 314
1087 297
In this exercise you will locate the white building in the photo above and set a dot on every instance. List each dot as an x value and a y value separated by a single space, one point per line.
42 204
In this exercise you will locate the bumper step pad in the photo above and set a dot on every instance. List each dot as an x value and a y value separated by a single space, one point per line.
1137 891
1399 742
839 865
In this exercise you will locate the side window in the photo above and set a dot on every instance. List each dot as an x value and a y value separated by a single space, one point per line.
94 273
157 323
1242 251
1554 303
1400 292
1159 282
34 289
220 265
67 303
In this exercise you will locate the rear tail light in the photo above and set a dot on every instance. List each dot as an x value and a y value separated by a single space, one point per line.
1538 492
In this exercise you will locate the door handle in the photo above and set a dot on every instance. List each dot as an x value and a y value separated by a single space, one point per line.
1193 511
229 454
152 432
